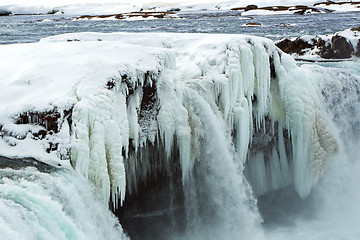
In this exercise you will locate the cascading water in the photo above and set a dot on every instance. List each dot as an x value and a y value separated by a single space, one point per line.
50 203
330 211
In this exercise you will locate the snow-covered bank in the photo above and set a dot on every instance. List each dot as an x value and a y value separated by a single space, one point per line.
340 45
97 7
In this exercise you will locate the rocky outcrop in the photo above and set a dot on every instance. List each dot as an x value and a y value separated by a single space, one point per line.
341 45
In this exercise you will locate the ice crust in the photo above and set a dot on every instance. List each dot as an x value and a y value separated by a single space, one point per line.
236 81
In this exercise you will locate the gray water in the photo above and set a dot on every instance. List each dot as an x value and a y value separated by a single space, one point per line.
19 29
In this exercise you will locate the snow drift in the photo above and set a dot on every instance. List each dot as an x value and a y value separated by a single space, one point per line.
220 105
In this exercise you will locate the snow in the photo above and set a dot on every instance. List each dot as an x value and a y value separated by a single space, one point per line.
346 7
205 85
97 7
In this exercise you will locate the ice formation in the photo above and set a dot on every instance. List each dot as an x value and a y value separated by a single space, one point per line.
228 103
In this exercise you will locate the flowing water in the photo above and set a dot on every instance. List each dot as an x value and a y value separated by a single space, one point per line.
72 209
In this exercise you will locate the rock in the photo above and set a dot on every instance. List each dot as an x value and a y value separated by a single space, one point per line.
53 11
341 47
174 10
297 46
250 7
325 49
355 29
4 12
252 24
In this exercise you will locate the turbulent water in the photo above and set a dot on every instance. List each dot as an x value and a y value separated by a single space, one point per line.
48 203
331 211
59 204
33 28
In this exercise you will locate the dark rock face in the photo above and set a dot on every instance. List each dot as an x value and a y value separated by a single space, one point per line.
4 13
341 48
154 204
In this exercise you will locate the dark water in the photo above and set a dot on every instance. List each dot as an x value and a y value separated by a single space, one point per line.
19 29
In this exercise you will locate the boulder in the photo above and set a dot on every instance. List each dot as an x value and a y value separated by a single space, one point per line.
341 47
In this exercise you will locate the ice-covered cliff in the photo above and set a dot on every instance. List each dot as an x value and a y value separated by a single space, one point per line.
124 107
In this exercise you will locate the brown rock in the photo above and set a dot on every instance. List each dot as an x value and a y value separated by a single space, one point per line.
250 7
297 46
355 28
252 24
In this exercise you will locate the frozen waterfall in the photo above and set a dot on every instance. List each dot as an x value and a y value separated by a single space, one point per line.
126 108
251 88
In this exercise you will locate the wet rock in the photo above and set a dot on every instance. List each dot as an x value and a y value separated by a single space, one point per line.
252 24
341 47
4 13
